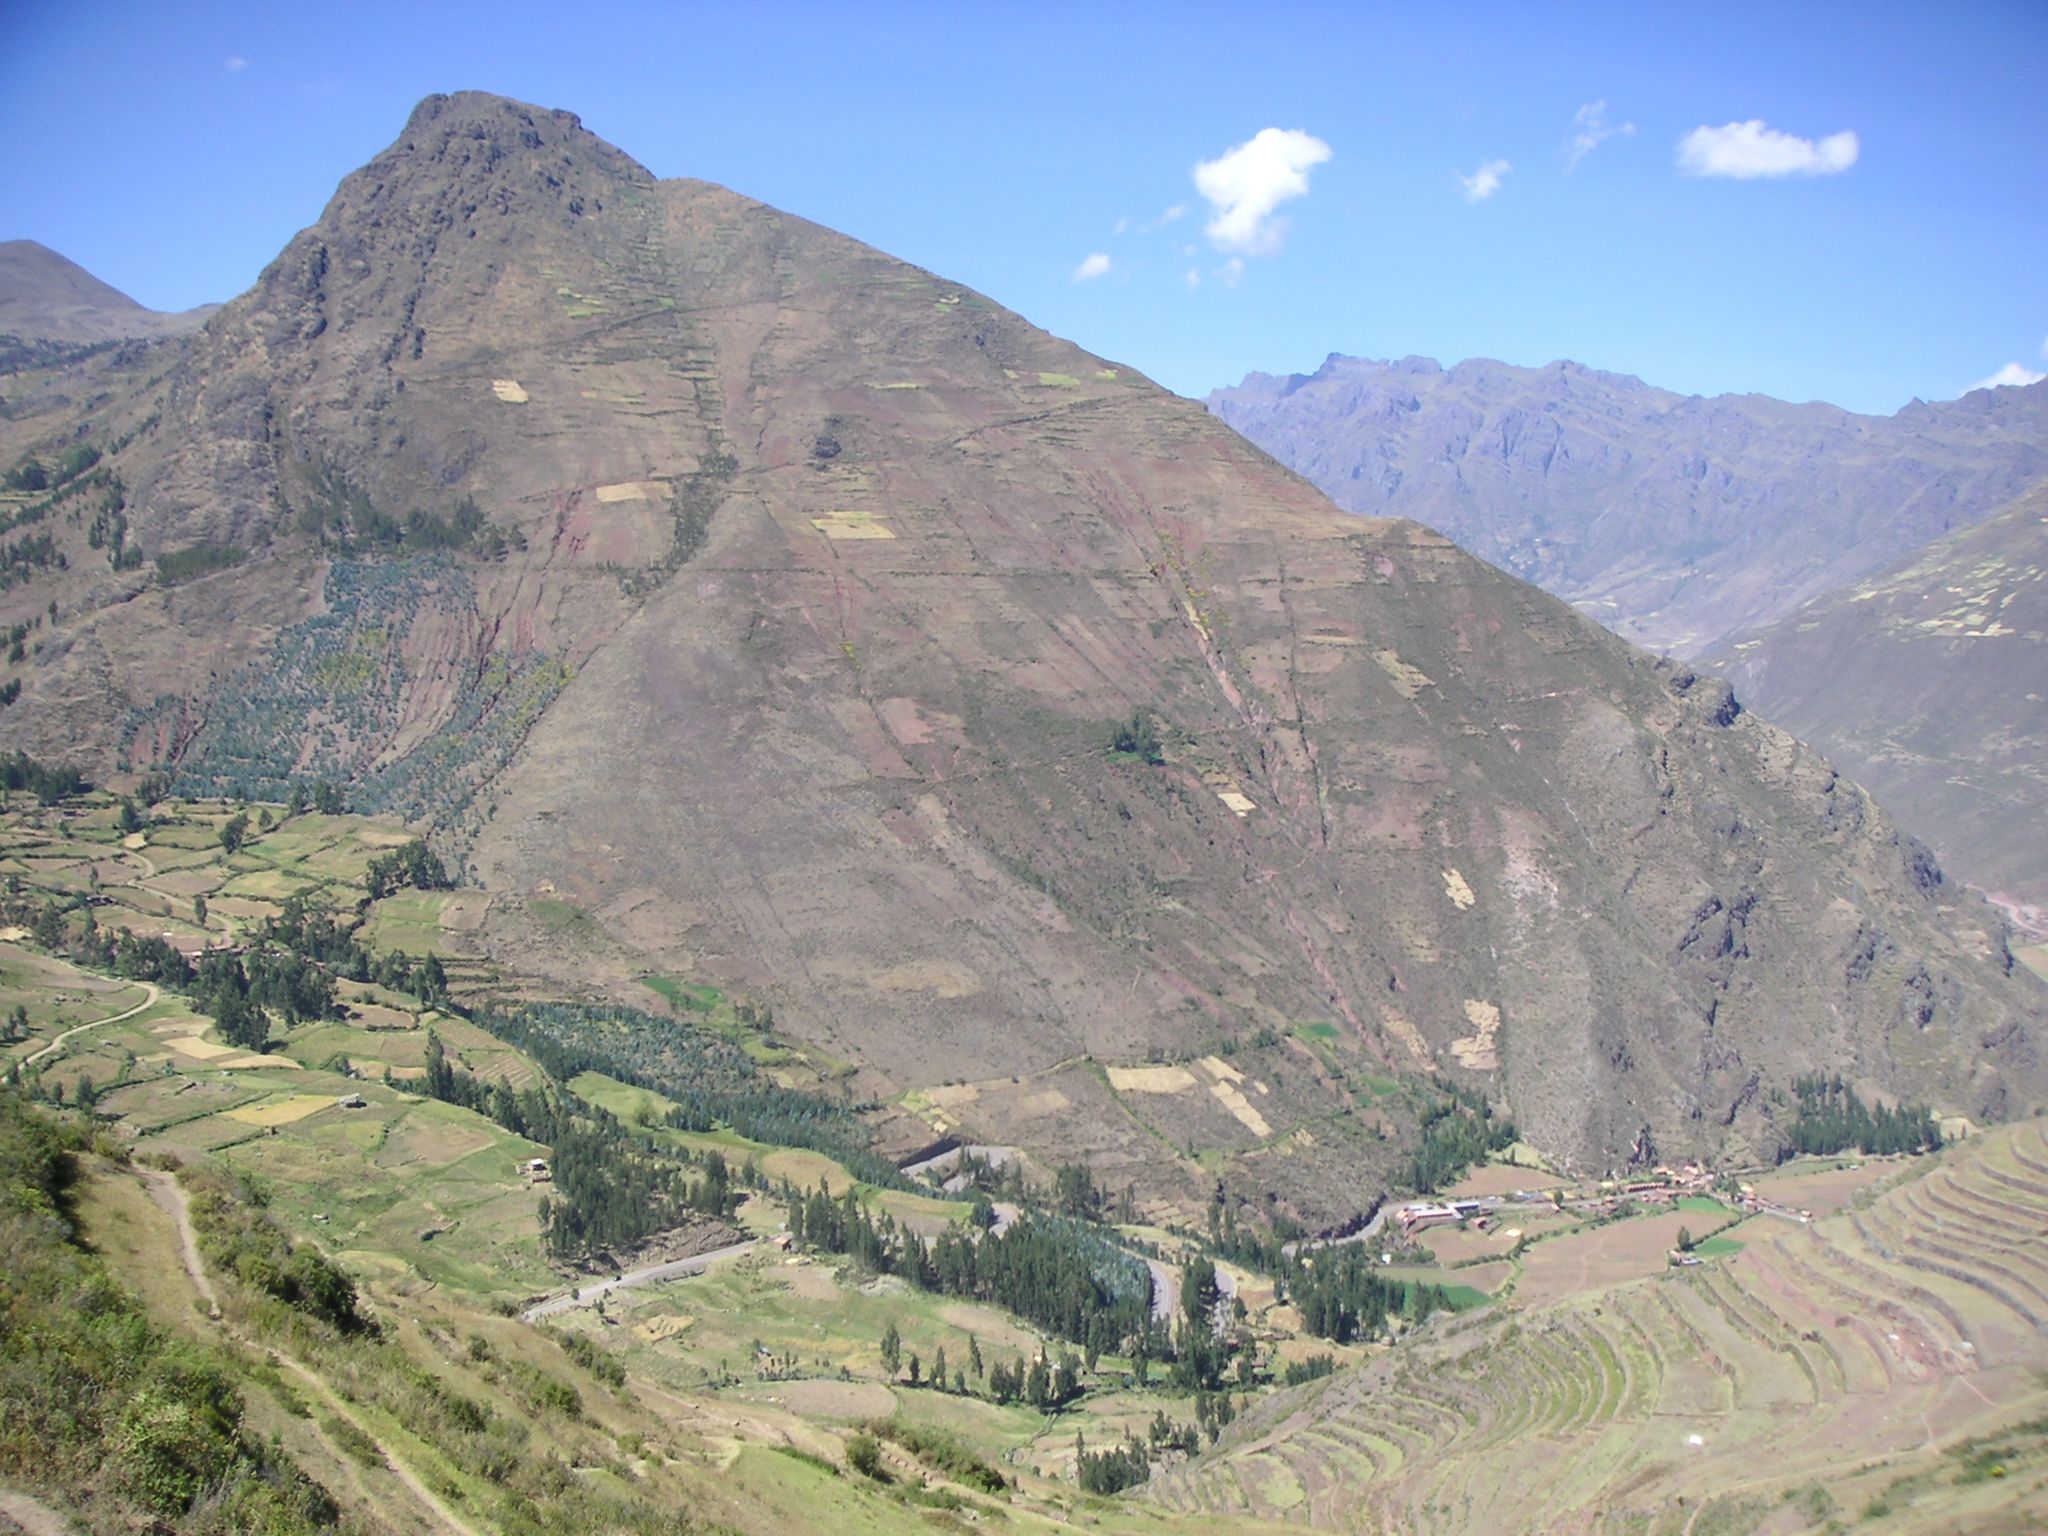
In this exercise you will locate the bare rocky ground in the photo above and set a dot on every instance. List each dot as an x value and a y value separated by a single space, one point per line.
799 596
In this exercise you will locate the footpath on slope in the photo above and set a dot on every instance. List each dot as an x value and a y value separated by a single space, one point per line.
170 1195
21 1511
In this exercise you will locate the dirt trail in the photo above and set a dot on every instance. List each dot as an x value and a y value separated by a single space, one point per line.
419 1490
33 1515
155 995
170 1195
227 925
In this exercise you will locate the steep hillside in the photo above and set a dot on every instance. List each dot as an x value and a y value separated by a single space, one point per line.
735 602
44 297
1927 682
1677 521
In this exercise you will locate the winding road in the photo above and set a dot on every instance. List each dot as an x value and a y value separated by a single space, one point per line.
155 995
584 1296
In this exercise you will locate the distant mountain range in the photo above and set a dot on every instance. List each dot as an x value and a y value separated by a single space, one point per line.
47 297
1678 521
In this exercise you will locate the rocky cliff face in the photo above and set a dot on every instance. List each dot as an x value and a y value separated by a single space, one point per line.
1929 682
799 593
1676 521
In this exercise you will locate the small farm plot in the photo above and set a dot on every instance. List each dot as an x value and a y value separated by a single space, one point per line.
1826 1186
1575 1263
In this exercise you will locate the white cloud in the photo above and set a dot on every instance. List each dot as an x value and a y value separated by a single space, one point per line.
1590 129
1095 266
238 63
1230 271
1749 150
1485 181
2012 373
1121 226
1194 279
1244 185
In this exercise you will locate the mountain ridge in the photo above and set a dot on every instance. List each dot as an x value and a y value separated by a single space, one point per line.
1662 515
48 297
736 601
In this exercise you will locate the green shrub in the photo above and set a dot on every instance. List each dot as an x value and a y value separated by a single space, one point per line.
864 1455
352 1442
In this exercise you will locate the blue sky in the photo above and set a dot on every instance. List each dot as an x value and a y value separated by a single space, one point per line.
172 149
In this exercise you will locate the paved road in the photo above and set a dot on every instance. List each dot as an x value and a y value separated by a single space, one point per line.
583 1296
1165 1290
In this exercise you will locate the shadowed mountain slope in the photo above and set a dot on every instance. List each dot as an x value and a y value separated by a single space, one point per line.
45 297
1677 521
1929 683
736 601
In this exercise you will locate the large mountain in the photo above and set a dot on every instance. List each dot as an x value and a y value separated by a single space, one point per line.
1678 521
46 297
1929 682
738 602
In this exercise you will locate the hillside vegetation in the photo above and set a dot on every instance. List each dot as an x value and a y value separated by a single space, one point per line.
1066 772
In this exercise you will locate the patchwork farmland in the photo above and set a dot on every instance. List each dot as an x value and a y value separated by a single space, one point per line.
1886 1361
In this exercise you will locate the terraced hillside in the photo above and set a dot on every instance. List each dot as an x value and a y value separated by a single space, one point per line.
1883 1362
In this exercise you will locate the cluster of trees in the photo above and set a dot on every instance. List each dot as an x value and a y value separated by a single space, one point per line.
1832 1119
1044 1384
48 782
1108 1473
324 798
1314 1368
1342 1296
1075 1194
1056 1274
415 865
345 517
190 564
612 1189
1138 737
712 1081
1457 1132
238 992
109 527
21 558
31 475
1257 1247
